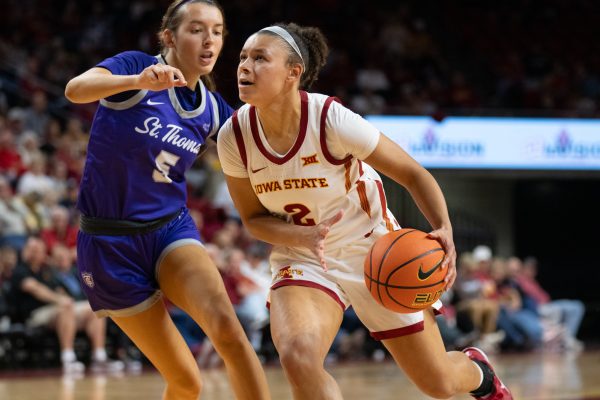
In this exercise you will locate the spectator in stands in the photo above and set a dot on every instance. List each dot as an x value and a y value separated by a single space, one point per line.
37 115
29 147
72 147
60 231
62 262
349 342
564 312
51 138
8 262
59 174
42 301
522 327
252 290
457 329
16 120
36 212
257 256
372 77
13 229
69 200
11 165
476 292
35 179
367 102
225 237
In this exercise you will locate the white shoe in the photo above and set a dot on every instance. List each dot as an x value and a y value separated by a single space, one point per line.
494 337
107 366
378 355
572 344
133 365
73 367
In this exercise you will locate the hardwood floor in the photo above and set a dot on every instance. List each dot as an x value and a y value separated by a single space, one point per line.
535 376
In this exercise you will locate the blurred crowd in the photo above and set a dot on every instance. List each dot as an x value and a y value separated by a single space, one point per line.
498 304
407 57
530 58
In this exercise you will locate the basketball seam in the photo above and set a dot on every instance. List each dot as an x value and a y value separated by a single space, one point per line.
370 268
388 286
383 259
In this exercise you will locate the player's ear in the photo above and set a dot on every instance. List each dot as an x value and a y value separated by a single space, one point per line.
295 72
168 38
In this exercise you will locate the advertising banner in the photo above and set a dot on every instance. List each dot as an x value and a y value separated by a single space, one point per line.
496 143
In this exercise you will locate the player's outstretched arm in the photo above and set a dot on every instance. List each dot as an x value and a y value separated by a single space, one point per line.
98 83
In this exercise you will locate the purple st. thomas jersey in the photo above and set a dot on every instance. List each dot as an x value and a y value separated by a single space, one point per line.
141 145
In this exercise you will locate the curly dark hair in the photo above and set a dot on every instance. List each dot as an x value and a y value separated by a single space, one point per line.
313 47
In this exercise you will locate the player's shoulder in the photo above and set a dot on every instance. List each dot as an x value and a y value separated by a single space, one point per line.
243 112
139 56
317 99
227 129
128 62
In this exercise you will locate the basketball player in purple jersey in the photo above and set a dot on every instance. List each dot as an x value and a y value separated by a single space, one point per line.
137 241
301 170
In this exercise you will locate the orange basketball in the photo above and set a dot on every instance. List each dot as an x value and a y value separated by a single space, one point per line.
403 270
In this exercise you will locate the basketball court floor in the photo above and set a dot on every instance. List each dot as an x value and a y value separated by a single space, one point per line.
534 376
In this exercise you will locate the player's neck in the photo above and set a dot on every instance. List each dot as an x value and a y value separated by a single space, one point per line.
281 117
192 79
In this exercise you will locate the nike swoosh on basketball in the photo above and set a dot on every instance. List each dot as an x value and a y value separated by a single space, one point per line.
426 274
153 103
257 170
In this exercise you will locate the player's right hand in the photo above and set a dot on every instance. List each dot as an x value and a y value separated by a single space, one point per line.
160 77
320 232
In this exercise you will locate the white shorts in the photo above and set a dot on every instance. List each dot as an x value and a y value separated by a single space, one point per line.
344 282
46 315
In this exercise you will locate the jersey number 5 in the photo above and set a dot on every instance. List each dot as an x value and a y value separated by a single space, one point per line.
164 161
299 211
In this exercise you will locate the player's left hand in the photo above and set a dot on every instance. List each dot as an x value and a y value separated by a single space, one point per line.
444 236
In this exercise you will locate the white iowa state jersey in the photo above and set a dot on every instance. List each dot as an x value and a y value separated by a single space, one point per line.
321 174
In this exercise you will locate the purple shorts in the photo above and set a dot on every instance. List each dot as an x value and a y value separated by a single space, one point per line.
119 273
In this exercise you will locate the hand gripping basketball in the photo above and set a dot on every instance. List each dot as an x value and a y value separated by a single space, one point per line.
405 270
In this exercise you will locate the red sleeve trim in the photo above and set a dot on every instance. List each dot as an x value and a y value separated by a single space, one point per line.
239 139
323 135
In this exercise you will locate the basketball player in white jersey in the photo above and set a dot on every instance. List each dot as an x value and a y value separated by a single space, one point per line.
298 166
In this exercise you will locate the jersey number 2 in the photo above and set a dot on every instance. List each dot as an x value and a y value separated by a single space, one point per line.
164 161
299 211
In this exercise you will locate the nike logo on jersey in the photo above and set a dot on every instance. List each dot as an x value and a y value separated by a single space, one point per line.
257 170
426 274
153 103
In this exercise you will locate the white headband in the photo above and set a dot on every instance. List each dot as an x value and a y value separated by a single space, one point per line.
285 35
